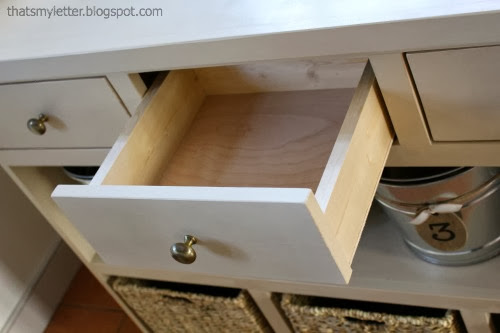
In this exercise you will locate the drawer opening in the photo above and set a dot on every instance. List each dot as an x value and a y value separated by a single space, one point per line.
273 139
224 127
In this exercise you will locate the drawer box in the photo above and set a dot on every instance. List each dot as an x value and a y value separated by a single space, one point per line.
81 113
275 185
459 92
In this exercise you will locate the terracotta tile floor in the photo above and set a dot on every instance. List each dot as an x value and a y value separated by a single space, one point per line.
87 307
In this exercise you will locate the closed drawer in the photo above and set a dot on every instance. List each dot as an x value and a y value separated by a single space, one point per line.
81 113
459 92
275 185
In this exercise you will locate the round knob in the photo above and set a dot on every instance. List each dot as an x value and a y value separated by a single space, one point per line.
37 125
184 252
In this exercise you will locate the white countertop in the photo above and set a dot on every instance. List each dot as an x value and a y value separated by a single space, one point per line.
203 33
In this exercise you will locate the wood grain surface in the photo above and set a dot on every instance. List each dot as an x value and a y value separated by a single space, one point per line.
278 139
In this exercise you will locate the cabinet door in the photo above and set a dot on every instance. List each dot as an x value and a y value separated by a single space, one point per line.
460 92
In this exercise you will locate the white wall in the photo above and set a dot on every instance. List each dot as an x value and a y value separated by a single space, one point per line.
26 244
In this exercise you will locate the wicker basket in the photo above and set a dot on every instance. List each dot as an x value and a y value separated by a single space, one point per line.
173 307
317 315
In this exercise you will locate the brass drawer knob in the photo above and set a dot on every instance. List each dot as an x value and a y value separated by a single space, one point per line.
184 252
37 125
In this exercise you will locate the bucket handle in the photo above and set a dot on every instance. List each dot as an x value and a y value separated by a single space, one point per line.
444 208
454 205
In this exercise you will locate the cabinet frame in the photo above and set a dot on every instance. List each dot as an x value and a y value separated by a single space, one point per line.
38 182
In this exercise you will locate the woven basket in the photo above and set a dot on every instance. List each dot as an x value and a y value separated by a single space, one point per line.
172 307
318 315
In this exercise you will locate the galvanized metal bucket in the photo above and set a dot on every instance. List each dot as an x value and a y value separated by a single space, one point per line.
448 216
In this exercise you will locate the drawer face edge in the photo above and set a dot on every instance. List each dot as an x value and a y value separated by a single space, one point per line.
261 233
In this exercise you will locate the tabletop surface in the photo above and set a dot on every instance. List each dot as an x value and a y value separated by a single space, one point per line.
34 34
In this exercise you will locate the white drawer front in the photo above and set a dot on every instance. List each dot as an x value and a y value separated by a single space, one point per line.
459 90
81 113
238 172
250 233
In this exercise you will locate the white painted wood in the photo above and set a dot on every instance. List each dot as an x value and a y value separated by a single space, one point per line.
43 299
53 157
390 265
384 271
13 284
129 87
82 113
37 184
26 243
415 146
271 310
459 92
446 154
262 233
401 100
476 321
221 33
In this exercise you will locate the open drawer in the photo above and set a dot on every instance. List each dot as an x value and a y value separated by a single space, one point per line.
274 185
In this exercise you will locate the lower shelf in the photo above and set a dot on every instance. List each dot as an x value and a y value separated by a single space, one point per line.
383 261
